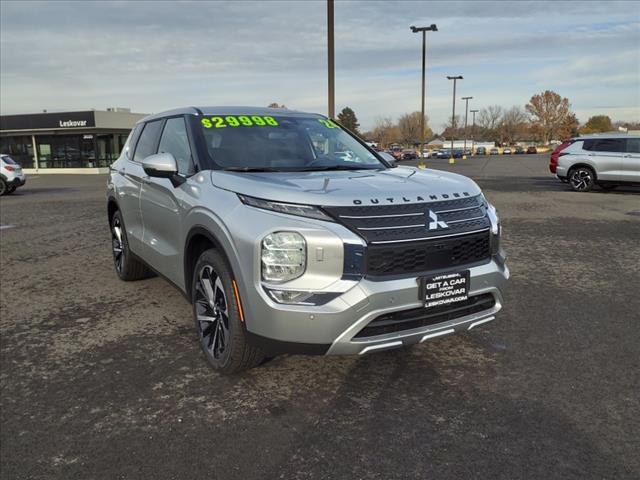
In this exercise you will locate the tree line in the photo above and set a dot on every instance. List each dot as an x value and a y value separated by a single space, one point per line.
546 117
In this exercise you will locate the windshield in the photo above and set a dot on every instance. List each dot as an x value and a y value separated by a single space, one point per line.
282 143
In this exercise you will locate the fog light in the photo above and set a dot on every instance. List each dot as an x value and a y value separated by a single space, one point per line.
290 296
284 256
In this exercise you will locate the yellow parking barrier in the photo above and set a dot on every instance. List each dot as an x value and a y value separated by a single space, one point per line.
452 160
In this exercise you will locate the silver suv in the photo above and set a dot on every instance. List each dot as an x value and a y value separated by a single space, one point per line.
11 175
285 244
607 160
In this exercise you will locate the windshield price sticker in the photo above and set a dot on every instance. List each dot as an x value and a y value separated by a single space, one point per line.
239 121
446 289
328 123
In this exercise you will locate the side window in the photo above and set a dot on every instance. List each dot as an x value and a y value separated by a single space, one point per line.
175 141
615 145
131 141
633 145
588 144
148 140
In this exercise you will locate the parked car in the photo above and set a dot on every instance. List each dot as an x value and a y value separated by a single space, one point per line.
274 259
494 151
11 175
506 151
532 150
518 151
409 154
481 151
607 160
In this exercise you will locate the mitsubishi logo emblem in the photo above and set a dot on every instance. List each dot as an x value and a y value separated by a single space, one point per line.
434 224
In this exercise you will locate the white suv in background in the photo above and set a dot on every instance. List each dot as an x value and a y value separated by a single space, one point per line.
607 159
11 176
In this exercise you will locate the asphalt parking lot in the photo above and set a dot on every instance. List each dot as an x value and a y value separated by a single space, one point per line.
105 379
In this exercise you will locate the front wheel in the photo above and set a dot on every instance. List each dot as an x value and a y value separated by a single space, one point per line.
217 317
3 187
582 179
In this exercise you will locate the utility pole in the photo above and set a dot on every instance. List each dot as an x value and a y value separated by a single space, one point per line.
331 62
473 132
424 30
453 114
466 114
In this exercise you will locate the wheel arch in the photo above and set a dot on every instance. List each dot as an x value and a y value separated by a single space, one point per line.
112 207
585 165
197 241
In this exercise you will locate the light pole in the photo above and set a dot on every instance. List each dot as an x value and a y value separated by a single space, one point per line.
453 114
331 63
424 30
473 132
466 114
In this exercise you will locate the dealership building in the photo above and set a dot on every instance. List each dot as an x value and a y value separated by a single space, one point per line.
66 142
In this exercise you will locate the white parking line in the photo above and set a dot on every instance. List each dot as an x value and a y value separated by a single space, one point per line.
2 227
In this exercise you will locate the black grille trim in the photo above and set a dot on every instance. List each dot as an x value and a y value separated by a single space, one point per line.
422 317
413 258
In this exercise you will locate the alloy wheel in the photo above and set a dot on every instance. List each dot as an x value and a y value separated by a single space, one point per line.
581 179
212 313
117 245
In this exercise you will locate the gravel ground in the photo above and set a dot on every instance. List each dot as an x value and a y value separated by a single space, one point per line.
104 379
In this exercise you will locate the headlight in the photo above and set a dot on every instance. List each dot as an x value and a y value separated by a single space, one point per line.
496 228
283 256
309 211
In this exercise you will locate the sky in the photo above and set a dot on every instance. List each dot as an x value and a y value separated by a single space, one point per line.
151 57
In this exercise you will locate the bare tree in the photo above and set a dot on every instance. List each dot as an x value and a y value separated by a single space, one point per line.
512 125
409 126
385 132
489 118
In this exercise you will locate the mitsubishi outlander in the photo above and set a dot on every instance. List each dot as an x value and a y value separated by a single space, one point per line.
288 234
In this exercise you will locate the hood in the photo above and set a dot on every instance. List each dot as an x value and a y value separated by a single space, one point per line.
343 188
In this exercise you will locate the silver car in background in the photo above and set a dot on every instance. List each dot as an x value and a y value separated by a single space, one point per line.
607 160
290 235
11 175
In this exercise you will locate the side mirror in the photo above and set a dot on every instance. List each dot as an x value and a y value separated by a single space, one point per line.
163 165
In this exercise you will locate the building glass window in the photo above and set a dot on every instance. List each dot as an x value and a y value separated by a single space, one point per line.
20 148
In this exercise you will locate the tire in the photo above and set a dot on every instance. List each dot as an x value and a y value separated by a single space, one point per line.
221 333
3 187
581 179
128 267
11 189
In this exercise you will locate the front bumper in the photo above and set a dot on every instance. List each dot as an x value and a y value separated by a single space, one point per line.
332 328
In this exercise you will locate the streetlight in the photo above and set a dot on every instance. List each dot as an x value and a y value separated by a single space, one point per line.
466 114
424 30
473 132
453 114
331 63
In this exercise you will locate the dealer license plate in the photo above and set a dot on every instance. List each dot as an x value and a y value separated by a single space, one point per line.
445 289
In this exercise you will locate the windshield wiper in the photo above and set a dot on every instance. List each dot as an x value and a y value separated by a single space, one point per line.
251 169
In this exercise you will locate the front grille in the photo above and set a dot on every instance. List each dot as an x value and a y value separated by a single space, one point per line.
422 317
428 255
408 222
402 241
